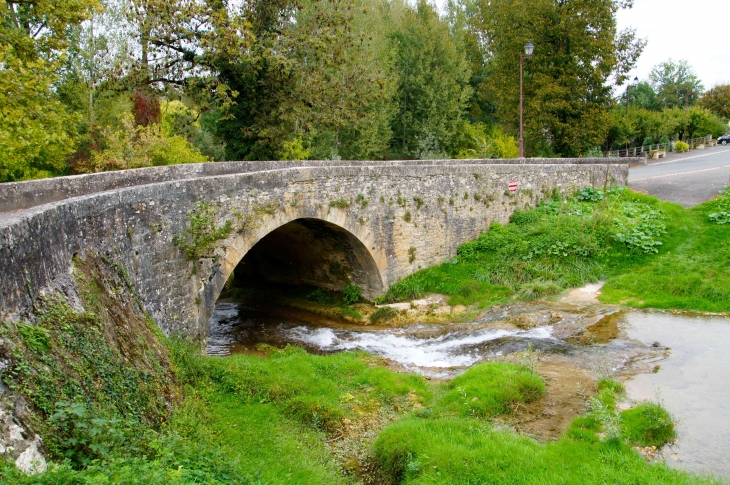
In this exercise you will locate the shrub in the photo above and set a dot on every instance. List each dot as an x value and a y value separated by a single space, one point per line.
640 227
648 424
319 295
131 146
83 436
35 337
339 204
720 217
681 147
202 233
589 194
351 294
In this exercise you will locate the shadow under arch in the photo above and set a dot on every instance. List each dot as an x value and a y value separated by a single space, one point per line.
306 251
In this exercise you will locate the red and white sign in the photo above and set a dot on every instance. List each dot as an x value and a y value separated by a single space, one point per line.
513 186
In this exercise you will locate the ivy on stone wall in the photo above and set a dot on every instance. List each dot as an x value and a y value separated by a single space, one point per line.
199 237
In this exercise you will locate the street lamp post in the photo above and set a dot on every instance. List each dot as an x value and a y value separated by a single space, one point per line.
528 52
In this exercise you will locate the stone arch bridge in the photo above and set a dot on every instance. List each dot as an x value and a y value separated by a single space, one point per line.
323 223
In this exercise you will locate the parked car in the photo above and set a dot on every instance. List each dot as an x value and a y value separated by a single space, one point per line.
724 140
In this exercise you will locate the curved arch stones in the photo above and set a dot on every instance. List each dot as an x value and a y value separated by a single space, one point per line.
403 215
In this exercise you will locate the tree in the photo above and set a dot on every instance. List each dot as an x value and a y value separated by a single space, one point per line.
578 51
433 82
717 100
317 72
38 132
675 84
181 43
642 97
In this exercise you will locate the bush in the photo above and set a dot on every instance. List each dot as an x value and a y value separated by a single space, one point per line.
681 147
589 194
648 424
351 294
477 140
133 146
721 207
319 295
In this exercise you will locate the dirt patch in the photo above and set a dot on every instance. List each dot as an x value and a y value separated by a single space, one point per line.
587 295
567 388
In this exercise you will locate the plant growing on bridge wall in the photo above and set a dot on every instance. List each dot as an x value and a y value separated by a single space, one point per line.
351 294
203 232
339 204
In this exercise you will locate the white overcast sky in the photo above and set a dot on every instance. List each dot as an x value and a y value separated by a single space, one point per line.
695 30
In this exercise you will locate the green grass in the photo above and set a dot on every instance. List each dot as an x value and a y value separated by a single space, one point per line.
489 390
464 451
252 420
652 254
692 272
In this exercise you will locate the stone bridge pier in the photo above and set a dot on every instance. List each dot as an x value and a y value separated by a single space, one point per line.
326 224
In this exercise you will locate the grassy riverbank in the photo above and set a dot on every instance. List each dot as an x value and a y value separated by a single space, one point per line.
299 418
652 254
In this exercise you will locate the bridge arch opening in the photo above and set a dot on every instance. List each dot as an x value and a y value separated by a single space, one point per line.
308 252
271 287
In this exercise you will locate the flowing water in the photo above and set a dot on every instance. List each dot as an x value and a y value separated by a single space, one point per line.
683 360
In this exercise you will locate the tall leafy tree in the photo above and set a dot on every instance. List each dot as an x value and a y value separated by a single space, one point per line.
578 53
315 73
38 132
433 83
642 97
675 84
717 100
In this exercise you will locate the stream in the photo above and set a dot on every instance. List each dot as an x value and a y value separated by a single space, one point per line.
681 360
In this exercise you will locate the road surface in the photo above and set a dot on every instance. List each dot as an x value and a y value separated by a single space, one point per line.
687 178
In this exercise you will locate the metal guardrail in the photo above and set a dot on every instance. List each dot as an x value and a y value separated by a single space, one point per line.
646 149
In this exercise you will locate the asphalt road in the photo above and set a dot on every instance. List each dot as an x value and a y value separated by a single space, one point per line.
687 179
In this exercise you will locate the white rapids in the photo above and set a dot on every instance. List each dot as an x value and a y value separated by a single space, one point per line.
456 349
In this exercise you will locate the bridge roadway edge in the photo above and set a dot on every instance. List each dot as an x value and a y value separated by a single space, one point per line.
134 226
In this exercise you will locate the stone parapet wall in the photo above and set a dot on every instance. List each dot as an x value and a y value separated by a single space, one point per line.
416 214
23 195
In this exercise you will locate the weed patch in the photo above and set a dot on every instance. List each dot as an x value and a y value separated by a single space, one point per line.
203 232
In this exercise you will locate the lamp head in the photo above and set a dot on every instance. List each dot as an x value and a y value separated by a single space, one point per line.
635 82
529 48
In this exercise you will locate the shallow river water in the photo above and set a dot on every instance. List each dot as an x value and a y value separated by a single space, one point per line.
690 357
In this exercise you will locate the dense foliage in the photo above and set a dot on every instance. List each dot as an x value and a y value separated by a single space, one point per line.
92 85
